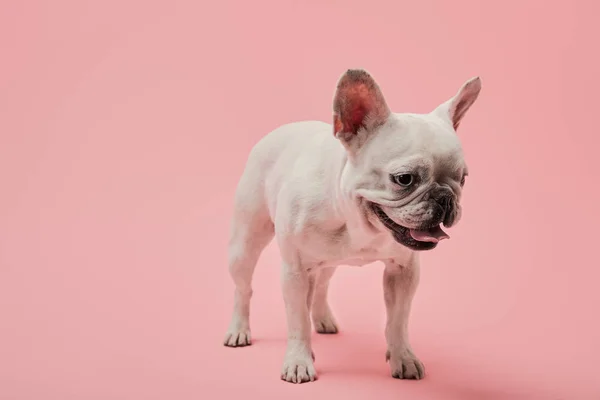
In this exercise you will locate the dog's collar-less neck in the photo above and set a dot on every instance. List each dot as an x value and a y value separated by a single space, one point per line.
351 208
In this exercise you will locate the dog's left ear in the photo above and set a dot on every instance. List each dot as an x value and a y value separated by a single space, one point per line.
456 108
358 106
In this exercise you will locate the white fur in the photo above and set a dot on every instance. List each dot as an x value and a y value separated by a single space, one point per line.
307 189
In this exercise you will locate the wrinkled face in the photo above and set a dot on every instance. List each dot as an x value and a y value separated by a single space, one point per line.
406 170
411 173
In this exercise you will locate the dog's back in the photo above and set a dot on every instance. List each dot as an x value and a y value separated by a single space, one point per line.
298 155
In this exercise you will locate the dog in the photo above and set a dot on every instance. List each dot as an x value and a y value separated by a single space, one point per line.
373 186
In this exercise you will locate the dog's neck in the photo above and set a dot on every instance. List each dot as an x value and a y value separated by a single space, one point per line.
351 209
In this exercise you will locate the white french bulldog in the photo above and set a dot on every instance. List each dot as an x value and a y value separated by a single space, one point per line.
378 189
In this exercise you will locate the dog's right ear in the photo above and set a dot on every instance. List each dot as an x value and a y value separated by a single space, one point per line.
358 107
455 109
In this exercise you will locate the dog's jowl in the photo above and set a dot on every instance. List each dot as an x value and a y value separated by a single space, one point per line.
372 186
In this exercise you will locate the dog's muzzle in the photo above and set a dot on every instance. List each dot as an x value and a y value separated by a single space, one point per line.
425 237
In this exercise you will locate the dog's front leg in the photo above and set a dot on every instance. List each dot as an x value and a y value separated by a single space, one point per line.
399 286
298 285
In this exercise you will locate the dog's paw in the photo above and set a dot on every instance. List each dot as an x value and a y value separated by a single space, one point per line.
238 338
325 324
404 365
297 369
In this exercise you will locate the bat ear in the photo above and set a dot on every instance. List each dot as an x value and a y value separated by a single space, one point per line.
358 104
456 108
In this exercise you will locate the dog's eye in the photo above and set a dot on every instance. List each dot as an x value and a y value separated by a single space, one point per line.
462 181
403 179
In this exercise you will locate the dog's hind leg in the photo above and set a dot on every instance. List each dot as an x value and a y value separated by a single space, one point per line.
251 231
322 317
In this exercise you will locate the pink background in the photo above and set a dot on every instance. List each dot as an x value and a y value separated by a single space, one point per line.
124 126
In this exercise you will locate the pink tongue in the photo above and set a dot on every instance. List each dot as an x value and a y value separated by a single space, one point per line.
432 235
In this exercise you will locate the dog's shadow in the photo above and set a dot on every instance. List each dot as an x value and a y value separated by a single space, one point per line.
362 358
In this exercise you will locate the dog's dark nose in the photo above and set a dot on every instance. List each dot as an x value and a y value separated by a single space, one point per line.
439 214
444 208
449 206
445 203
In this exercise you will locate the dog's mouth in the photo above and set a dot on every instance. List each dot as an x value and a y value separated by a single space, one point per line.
415 239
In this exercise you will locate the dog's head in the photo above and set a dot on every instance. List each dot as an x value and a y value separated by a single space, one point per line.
407 170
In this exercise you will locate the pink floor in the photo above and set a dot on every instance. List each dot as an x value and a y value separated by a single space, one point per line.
124 126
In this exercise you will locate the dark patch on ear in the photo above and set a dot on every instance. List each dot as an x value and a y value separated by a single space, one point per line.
358 103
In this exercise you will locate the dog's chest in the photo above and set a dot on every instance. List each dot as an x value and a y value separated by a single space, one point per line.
347 246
